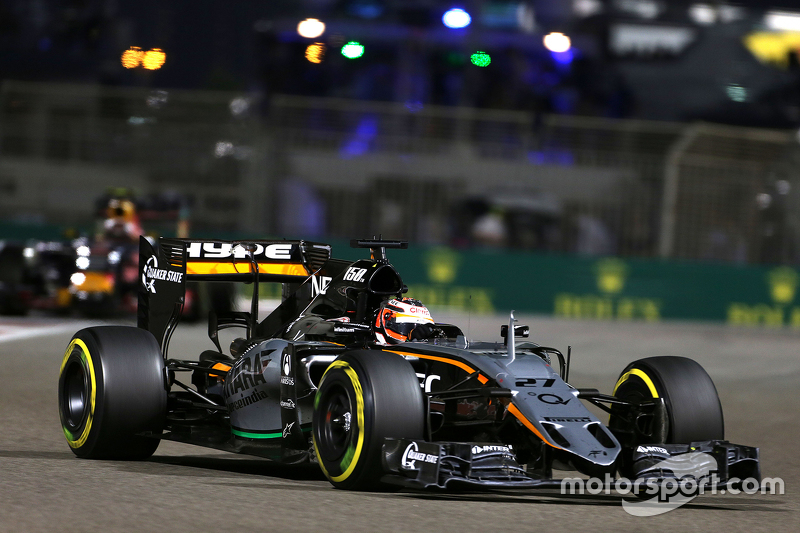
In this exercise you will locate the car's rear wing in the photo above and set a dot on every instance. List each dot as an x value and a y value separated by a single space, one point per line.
165 269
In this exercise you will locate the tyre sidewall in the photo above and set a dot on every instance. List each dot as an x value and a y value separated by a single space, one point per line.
391 406
693 408
82 437
126 393
347 469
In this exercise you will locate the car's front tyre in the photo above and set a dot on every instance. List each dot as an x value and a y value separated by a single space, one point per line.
693 410
363 397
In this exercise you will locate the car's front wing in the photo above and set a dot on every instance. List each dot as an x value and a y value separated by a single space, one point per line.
419 464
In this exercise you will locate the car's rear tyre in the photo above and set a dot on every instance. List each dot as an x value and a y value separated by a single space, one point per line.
693 409
363 397
111 388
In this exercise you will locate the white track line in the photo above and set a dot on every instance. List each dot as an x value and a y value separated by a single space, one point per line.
10 333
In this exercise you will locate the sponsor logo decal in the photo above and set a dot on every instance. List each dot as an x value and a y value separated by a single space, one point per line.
247 374
151 273
225 250
650 449
782 311
286 364
610 303
288 429
256 396
425 382
319 285
568 419
288 404
486 449
553 399
355 274
442 265
286 380
412 454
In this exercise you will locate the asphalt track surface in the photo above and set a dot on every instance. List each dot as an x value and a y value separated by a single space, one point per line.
43 487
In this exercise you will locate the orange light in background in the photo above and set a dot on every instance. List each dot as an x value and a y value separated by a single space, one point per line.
315 52
132 57
154 59
136 57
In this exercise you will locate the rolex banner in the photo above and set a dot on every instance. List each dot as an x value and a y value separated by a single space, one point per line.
600 288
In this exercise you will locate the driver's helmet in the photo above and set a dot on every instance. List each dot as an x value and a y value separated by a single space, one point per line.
398 317
121 221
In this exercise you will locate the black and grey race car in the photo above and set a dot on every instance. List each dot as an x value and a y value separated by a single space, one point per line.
309 383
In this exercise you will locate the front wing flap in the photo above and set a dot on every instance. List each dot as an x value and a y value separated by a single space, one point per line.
420 464
714 461
423 465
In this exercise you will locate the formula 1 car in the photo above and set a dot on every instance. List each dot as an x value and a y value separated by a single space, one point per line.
309 383
98 276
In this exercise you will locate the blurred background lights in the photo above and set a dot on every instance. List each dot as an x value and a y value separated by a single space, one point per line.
353 50
782 21
315 52
456 18
557 42
735 92
154 59
223 148
132 57
480 59
311 28
239 105
157 98
151 60
587 8
703 14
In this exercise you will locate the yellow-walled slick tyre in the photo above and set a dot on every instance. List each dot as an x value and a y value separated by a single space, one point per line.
364 397
693 409
111 388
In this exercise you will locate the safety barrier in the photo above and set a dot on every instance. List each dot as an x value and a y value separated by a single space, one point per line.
600 288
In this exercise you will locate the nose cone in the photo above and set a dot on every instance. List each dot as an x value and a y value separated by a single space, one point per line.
559 418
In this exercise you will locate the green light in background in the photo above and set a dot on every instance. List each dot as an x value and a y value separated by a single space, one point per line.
353 50
480 59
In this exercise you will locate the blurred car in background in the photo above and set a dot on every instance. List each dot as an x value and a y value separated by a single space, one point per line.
97 275
35 275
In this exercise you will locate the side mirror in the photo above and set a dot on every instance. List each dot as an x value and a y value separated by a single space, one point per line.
519 331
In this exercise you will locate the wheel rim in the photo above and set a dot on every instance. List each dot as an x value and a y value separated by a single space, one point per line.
337 423
644 425
74 396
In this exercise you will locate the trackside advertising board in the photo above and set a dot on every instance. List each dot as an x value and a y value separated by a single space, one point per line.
601 288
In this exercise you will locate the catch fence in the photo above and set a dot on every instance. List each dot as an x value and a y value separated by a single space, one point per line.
330 168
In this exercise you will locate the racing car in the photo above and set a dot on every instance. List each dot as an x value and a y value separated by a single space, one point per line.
349 373
98 276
